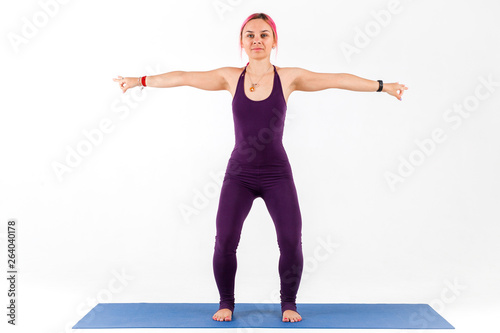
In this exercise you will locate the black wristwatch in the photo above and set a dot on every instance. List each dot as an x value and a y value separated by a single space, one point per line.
380 85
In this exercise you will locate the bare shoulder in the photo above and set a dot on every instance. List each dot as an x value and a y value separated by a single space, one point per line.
289 76
231 75
290 70
227 72
230 70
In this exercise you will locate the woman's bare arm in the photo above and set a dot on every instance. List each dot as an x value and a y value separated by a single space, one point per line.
208 80
304 80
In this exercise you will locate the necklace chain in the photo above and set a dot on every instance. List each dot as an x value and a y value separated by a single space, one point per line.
252 88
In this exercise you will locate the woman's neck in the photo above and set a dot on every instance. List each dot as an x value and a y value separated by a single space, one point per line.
259 67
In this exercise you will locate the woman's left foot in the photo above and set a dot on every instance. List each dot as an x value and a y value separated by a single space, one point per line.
291 316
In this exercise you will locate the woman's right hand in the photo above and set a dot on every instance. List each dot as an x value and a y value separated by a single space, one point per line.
126 82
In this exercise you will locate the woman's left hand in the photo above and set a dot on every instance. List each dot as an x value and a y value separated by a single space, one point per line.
395 89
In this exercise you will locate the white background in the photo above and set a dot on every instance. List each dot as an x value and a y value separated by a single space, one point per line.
119 210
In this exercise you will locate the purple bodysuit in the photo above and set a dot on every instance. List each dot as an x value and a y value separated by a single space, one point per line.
258 167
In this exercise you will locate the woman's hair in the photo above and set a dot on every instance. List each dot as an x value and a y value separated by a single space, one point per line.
267 19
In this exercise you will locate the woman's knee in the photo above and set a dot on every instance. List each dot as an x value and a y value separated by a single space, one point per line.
226 244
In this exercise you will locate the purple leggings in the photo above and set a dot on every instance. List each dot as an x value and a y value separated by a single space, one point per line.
276 187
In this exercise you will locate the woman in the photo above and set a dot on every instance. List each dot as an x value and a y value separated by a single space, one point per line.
258 166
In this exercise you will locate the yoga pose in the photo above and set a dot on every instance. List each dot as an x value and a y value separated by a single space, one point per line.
258 165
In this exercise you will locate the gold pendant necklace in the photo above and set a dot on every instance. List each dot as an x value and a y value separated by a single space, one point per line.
252 88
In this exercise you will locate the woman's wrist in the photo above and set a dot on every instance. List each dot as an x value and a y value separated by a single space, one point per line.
140 82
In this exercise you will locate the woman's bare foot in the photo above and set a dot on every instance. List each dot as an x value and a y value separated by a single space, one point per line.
291 316
223 315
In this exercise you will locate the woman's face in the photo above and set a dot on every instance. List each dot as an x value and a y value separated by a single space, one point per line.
257 39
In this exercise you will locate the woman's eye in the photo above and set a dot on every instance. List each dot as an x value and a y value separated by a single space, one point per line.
251 35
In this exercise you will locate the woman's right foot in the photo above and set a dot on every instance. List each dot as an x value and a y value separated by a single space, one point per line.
223 315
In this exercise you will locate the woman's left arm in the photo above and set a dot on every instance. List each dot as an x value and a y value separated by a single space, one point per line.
305 80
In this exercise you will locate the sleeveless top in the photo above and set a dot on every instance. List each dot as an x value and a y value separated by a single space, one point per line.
258 126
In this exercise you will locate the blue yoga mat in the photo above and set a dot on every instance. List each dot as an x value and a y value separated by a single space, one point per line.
262 315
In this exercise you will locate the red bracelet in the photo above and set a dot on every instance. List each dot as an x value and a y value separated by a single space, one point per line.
143 81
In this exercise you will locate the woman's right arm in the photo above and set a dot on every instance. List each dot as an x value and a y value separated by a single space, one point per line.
208 80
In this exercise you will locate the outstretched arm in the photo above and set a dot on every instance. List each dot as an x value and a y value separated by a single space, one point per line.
209 80
305 80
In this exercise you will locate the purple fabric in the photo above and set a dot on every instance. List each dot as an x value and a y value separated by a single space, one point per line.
258 167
